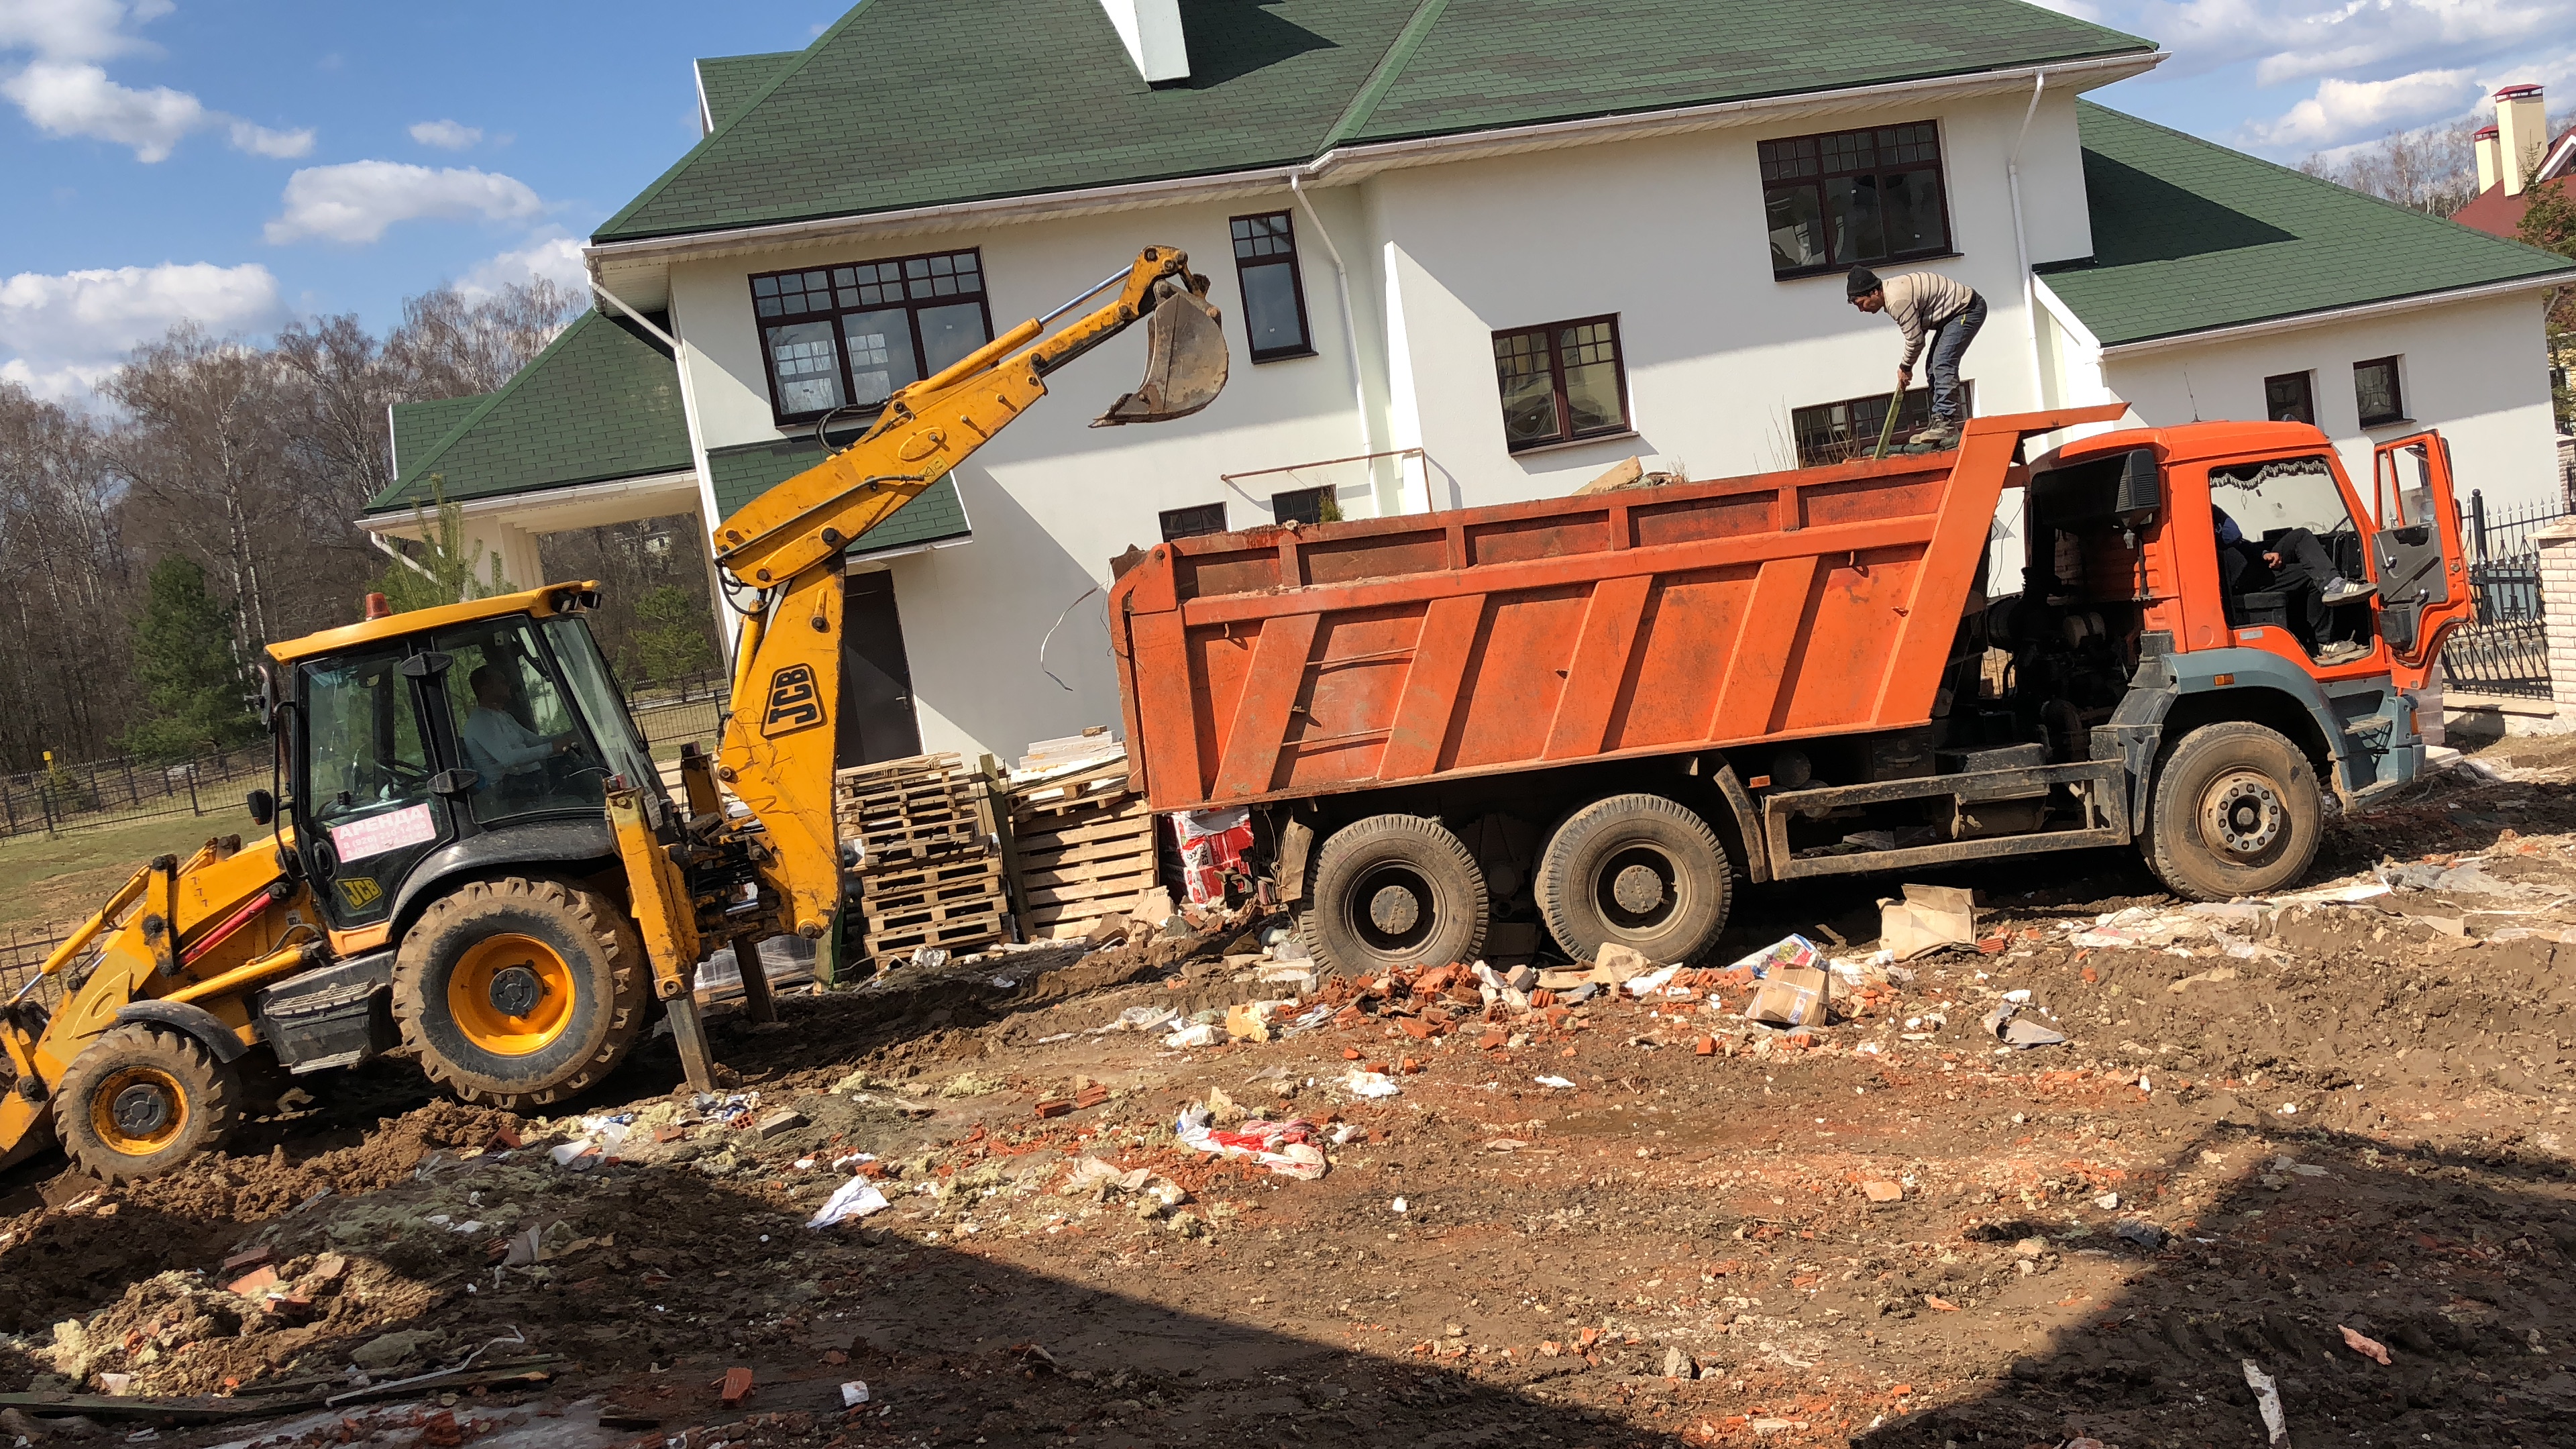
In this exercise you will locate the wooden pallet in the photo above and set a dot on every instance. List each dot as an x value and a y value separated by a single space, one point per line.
887 949
896 882
904 813
980 896
1085 850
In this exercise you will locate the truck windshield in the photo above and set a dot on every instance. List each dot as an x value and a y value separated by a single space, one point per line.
601 703
2279 494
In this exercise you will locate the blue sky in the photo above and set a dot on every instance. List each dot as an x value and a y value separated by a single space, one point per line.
245 162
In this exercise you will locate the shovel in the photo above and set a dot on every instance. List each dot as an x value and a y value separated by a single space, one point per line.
1185 360
1887 430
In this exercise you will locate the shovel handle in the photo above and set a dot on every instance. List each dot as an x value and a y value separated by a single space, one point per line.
1887 430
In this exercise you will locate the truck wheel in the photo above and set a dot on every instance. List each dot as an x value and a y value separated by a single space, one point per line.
2235 813
1393 891
520 993
139 1102
1639 870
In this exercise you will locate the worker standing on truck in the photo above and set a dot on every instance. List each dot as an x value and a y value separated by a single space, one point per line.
1926 306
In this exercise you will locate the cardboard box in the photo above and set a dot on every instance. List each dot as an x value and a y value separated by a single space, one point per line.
1789 996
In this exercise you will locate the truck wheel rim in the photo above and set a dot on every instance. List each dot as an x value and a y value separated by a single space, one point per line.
1638 888
138 1111
1395 909
2243 813
511 995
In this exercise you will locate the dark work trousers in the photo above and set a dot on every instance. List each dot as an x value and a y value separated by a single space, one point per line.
1949 343
2304 572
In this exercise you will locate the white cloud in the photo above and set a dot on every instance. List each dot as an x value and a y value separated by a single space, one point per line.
75 29
79 100
550 254
261 141
446 135
66 331
356 201
2343 110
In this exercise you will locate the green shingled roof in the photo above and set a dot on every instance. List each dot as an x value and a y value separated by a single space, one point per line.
419 425
602 402
2189 236
901 105
731 80
743 473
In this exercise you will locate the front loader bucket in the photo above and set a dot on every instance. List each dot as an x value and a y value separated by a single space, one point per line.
1185 360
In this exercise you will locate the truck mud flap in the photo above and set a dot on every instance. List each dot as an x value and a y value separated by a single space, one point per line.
2104 789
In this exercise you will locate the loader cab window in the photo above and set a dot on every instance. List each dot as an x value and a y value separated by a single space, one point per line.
363 783
514 727
602 705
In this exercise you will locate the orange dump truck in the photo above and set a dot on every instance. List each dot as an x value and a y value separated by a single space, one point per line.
1589 717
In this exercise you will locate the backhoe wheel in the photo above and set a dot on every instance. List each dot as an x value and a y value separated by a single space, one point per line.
1638 870
2236 813
519 993
140 1101
1392 891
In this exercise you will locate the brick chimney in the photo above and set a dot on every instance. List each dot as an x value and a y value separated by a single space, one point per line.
2522 135
2490 159
1151 31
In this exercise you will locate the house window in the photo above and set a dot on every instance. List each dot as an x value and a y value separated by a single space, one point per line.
1561 382
1838 432
1836 201
1192 521
854 334
2374 389
1274 299
2290 398
1306 505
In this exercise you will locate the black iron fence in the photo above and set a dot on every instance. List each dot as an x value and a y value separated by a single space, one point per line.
2505 648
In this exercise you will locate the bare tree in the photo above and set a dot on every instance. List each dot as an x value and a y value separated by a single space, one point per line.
63 599
2433 170
450 347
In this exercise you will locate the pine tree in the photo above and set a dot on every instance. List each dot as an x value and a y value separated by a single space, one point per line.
195 698
2549 223
447 568
676 646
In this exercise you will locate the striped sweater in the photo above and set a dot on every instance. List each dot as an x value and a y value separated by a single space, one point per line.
1921 301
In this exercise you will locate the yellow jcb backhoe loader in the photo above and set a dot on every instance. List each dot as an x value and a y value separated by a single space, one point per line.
474 861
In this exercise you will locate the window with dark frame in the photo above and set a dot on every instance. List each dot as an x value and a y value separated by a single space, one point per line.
1274 296
855 333
2375 392
1306 505
1192 521
1838 432
2291 398
1835 201
1562 382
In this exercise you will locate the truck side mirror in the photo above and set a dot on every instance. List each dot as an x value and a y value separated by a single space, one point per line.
263 807
2142 487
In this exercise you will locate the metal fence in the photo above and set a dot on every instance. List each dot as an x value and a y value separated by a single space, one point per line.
2504 649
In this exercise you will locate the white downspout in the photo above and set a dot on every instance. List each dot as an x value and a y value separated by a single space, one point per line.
2021 242
1350 327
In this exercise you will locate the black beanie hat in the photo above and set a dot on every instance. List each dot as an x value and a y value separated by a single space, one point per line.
1860 283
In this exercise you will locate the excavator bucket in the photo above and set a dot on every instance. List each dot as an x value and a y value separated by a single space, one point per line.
1185 360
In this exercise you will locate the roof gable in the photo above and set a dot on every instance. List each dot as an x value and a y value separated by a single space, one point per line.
601 402
898 106
2189 236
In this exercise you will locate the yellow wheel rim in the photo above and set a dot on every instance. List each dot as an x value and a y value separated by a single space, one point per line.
511 995
139 1110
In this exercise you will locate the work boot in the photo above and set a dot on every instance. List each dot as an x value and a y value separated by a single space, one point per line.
2341 590
2342 651
1942 434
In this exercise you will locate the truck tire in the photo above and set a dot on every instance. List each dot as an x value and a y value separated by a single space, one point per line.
141 1101
519 993
1392 891
2235 813
1642 871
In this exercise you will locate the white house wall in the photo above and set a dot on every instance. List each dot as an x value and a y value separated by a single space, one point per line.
2475 370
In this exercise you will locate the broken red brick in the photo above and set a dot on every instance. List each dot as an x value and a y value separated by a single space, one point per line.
244 1261
441 1430
669 1132
1054 1107
1883 1191
255 1281
1492 1040
1416 1028
1091 1096
737 1387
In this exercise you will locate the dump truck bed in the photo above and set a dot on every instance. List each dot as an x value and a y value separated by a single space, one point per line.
1287 662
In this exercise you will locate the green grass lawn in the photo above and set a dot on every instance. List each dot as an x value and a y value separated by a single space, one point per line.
61 880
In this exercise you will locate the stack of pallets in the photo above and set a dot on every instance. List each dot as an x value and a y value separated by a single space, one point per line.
930 872
1085 848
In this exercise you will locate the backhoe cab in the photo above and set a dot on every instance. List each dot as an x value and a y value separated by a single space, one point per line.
476 862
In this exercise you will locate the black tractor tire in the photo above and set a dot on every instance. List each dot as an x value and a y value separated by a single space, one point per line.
141 1100
519 993
2236 812
1393 891
1641 871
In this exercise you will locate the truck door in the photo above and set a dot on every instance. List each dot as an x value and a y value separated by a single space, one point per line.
363 783
2415 551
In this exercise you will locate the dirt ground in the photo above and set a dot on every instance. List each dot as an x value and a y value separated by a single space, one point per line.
2274 1128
